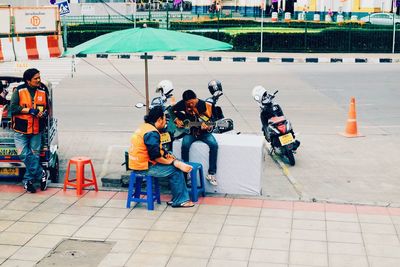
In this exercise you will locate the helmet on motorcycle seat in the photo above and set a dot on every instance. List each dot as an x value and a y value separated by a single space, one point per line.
259 93
215 87
164 86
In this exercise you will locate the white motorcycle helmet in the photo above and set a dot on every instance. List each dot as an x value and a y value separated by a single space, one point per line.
259 94
164 86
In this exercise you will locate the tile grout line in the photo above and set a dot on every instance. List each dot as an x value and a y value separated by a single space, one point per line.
362 237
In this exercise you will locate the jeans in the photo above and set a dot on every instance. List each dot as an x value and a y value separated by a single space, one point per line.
176 181
28 147
207 138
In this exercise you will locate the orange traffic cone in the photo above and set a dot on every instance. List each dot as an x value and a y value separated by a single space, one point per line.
351 126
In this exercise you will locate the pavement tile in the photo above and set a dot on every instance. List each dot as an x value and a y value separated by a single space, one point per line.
219 201
337 260
233 241
286 205
309 215
26 227
223 253
104 222
163 225
45 241
71 219
308 224
100 194
308 259
18 263
41 217
91 202
24 205
271 232
112 212
271 243
144 214
238 230
209 209
343 226
5 224
211 218
346 248
7 250
383 251
4 203
33 198
267 264
371 218
344 237
314 235
115 203
240 202
226 263
276 213
176 216
309 246
51 207
241 220
30 253
204 228
11 215
16 239
245 211
275 222
143 224
59 229
93 232
195 239
155 248
127 234
341 217
5 195
309 206
147 260
391 240
181 261
383 262
192 251
340 208
395 219
394 211
81 210
271 256
71 193
163 236
372 210
5 188
375 228
114 259
121 196
124 246
61 200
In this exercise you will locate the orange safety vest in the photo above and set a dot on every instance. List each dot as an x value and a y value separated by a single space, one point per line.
138 155
27 123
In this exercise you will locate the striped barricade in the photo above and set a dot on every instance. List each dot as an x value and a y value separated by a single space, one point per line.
6 49
36 47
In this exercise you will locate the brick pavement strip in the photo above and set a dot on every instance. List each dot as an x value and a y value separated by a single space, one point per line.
217 232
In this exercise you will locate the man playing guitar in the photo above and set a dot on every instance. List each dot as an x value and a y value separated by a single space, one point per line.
196 110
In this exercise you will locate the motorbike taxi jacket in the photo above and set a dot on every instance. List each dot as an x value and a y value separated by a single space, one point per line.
27 123
145 147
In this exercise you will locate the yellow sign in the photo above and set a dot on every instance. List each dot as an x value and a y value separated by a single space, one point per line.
286 139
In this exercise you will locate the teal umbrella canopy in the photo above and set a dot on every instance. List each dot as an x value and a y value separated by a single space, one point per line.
147 40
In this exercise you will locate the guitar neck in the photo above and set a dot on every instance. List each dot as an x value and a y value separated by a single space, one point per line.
198 124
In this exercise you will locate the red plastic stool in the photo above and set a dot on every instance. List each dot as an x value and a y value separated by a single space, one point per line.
80 179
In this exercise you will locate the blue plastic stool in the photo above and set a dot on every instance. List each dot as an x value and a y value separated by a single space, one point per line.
151 195
196 188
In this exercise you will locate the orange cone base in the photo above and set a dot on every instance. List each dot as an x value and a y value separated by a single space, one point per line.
352 135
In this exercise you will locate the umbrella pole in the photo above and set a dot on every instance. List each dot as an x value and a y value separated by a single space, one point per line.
146 81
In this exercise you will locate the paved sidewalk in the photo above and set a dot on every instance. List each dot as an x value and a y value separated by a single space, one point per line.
216 232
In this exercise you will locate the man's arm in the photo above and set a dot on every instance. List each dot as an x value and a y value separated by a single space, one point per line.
152 142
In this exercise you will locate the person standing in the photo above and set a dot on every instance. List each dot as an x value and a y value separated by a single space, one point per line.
147 156
29 109
195 110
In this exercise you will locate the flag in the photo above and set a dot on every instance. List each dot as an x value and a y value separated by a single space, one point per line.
177 2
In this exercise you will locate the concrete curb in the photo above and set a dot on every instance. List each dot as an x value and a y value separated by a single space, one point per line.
258 59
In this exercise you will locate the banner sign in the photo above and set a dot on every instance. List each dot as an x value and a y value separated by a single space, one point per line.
63 7
33 20
5 21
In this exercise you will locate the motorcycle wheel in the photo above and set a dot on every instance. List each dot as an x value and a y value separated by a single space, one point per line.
290 156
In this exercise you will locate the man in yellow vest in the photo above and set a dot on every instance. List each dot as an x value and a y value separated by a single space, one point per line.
147 156
29 105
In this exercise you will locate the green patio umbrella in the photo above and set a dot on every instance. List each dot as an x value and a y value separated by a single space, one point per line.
146 40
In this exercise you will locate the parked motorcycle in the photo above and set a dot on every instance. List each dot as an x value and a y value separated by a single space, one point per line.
277 129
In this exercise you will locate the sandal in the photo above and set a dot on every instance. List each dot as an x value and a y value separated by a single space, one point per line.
186 204
169 203
211 179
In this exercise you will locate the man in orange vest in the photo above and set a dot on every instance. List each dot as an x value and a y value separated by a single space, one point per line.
29 105
147 156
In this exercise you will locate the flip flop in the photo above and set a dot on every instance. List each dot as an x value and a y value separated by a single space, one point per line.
169 203
186 204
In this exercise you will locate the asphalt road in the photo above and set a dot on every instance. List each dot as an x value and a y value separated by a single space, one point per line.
96 116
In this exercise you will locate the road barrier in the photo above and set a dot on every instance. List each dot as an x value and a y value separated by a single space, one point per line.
6 50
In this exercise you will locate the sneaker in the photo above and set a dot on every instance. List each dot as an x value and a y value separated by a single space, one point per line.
211 179
43 181
29 187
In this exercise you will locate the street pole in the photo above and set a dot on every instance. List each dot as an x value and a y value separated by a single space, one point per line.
134 13
394 34
262 26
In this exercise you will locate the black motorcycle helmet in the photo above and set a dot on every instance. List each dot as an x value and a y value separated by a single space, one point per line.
215 87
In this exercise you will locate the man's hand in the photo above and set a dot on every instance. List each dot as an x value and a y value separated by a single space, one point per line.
178 123
43 114
206 127
182 166
33 111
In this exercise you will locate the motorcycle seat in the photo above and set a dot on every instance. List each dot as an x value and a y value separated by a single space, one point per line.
276 120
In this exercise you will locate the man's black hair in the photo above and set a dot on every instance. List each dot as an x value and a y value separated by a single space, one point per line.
188 94
29 73
154 114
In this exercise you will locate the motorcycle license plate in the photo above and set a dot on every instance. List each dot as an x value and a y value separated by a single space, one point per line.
165 138
286 139
9 172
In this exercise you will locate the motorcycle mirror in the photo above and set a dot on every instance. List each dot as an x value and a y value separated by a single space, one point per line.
276 92
139 105
160 90
169 92
256 98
